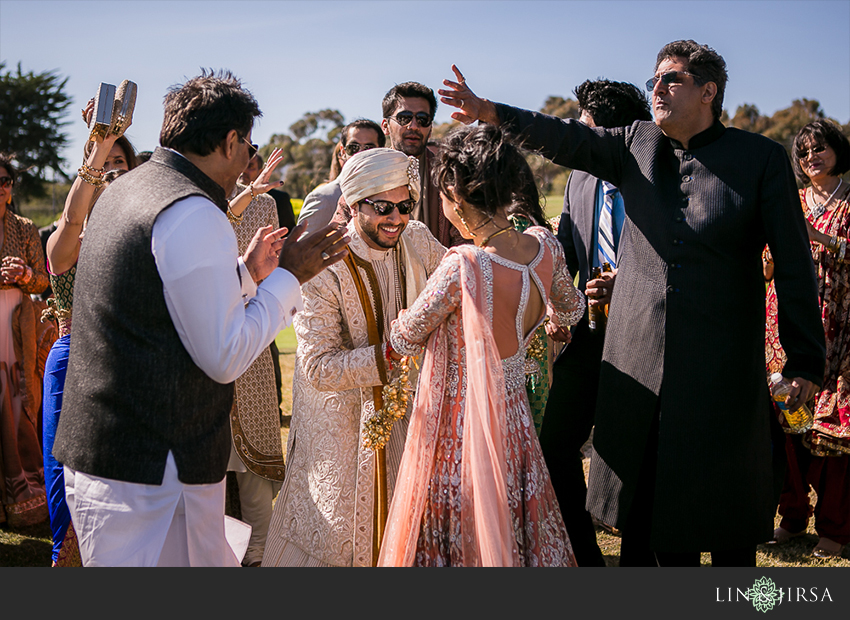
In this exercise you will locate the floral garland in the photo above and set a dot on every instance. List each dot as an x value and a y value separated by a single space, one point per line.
396 394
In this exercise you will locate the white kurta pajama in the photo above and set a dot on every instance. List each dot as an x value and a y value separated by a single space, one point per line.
323 516
175 524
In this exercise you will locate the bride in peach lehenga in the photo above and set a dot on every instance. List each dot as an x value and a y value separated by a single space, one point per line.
473 488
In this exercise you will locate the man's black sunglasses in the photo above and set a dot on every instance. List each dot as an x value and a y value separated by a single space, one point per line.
354 148
252 148
385 207
404 118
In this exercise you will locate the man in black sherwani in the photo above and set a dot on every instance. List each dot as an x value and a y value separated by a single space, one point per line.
682 444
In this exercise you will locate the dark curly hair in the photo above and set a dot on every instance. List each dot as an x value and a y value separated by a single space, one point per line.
828 134
488 171
704 63
613 104
200 113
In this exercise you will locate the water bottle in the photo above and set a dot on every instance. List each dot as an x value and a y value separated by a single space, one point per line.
800 420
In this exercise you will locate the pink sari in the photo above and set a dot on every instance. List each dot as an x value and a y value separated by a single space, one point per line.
486 529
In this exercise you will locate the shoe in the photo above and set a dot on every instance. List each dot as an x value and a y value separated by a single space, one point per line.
782 536
827 548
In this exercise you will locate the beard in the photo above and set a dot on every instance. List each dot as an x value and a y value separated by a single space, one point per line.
412 150
372 231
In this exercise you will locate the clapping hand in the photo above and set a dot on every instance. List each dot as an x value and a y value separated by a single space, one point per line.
472 108
12 269
263 252
306 256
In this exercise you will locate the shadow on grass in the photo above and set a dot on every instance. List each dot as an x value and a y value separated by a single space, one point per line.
26 546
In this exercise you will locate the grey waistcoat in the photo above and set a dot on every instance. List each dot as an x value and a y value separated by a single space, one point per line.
132 391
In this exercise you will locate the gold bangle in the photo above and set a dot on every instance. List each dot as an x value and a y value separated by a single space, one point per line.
236 219
90 179
93 171
833 244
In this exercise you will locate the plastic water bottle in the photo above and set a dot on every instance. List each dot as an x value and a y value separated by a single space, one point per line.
800 420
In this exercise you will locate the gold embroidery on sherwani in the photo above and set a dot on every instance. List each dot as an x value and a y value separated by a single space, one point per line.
323 515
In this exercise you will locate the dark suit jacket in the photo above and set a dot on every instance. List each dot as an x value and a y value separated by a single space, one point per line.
285 214
685 335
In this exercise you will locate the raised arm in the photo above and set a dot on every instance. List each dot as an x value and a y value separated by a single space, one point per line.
63 245
260 185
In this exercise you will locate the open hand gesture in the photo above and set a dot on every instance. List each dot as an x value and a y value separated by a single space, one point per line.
306 257
262 184
472 107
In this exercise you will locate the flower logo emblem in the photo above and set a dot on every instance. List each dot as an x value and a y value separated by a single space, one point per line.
764 594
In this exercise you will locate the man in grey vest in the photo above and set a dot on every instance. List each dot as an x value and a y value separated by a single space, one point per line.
162 331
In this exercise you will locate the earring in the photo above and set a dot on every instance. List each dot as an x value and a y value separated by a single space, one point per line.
463 221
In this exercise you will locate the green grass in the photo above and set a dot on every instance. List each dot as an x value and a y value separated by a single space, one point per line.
286 342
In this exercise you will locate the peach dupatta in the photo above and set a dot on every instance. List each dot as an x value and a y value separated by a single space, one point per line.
486 528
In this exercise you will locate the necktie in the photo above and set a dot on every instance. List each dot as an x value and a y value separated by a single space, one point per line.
605 235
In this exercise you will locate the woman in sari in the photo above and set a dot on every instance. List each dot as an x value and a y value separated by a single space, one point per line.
22 273
820 458
473 488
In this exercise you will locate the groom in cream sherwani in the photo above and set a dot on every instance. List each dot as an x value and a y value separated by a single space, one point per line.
324 514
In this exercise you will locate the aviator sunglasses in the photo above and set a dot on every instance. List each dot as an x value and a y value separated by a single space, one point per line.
354 148
671 77
385 207
6 182
404 118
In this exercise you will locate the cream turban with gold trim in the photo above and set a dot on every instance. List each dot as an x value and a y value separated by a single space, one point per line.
378 170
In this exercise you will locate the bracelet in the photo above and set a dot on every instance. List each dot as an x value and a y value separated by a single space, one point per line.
833 244
93 171
251 187
842 251
90 179
236 219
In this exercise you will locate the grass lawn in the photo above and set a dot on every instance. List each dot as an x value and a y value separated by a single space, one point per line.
32 546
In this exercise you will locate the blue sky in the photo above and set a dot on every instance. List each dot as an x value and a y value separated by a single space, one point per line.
305 56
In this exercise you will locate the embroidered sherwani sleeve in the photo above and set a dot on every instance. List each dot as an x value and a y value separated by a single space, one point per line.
440 298
329 359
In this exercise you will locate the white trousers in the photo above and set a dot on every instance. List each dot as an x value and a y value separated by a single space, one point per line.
128 524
